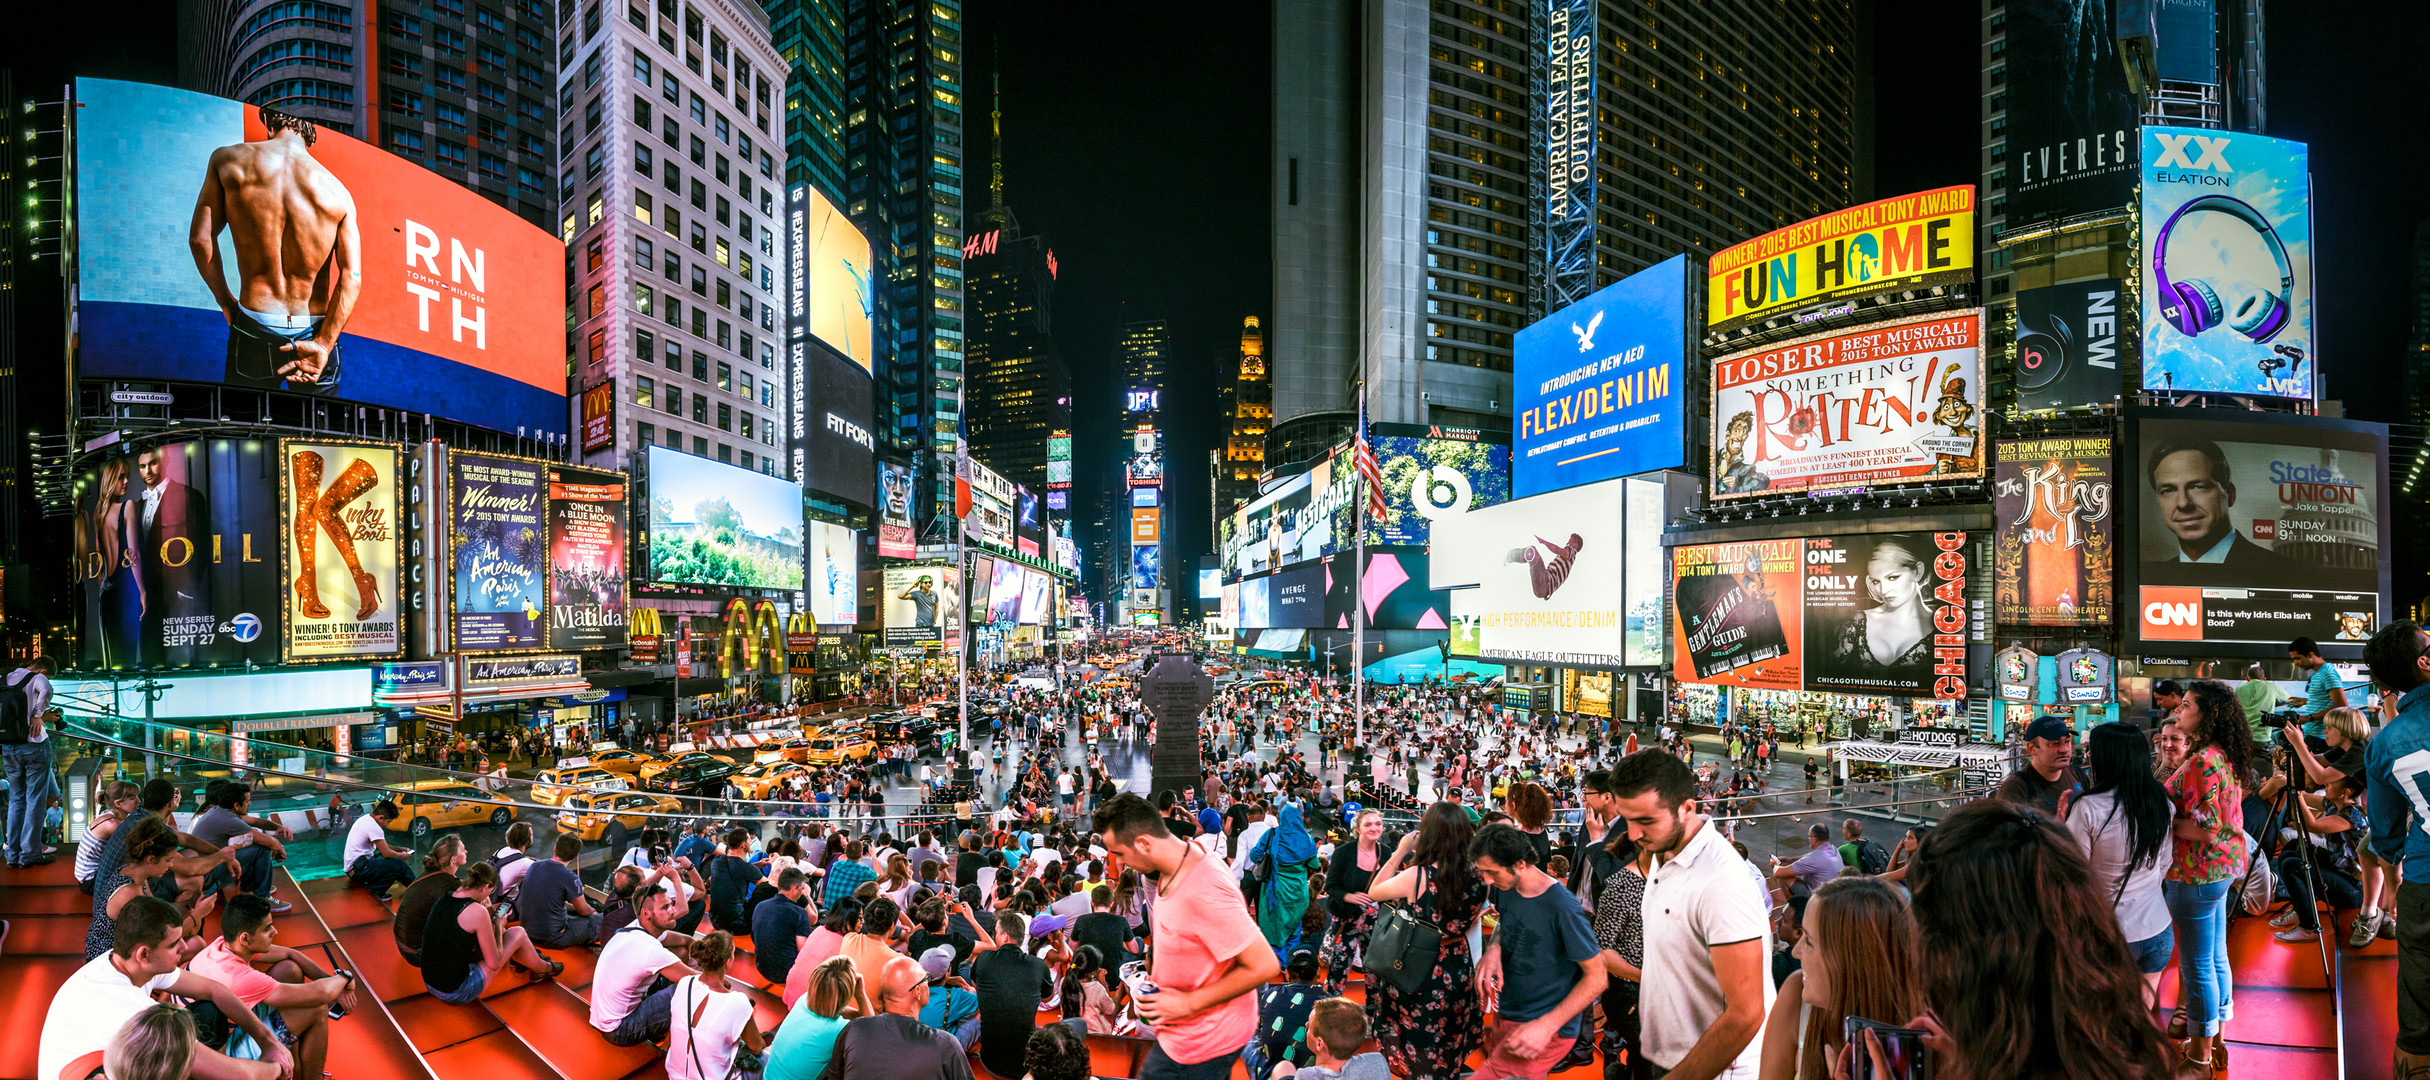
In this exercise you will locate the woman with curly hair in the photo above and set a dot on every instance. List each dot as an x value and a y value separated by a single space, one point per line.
1428 1034
2211 849
2026 975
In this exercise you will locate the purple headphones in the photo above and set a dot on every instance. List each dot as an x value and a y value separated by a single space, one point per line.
2192 305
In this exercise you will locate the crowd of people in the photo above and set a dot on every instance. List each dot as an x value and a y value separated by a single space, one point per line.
1474 892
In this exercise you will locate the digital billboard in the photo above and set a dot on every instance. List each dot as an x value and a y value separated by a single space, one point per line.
1569 124
1601 384
2227 263
1430 473
2258 532
1147 566
895 539
835 574
1885 612
2067 345
1548 571
840 457
500 544
2071 116
1029 524
335 269
1004 593
1905 242
1144 526
1035 594
176 548
1395 590
1295 596
586 564
1210 584
2051 548
1146 496
982 580
1739 610
715 524
831 298
343 544
1893 403
1059 460
599 417
1645 575
919 603
1254 612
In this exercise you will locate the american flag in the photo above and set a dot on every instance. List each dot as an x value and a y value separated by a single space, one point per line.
1369 470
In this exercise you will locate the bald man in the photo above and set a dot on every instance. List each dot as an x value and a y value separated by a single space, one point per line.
298 257
894 1044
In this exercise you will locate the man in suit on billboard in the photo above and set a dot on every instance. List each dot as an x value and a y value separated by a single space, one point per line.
2193 490
173 572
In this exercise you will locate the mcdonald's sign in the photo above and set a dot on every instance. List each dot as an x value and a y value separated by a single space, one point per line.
801 640
734 638
646 635
769 638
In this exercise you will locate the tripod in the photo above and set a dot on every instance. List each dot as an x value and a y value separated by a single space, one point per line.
2282 810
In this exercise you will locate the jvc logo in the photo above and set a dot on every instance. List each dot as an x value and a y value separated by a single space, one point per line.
2211 152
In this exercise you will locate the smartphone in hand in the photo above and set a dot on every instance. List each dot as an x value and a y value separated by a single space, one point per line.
1902 1051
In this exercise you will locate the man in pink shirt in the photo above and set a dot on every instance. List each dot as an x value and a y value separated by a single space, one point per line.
294 987
1208 955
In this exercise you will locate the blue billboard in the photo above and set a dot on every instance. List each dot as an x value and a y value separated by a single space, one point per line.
1601 385
2227 264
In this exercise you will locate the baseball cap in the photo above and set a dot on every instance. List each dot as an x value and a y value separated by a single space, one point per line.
2054 728
1046 924
937 962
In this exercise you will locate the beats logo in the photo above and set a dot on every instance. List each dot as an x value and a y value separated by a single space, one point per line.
2172 613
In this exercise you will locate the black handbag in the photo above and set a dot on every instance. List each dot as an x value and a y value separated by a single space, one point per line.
1403 949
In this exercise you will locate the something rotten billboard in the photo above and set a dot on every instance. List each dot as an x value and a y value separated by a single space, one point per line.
586 581
1907 242
177 550
2227 263
500 551
1893 403
2052 553
340 502
336 270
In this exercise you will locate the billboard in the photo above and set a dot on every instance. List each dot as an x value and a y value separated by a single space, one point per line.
982 578
1395 589
715 524
1644 575
895 538
599 417
500 543
176 550
2067 345
919 603
586 562
1029 526
1906 242
1147 566
340 515
2053 513
2071 117
1295 596
2227 264
1210 584
1255 610
840 457
2258 532
1740 610
1035 596
1431 473
1885 613
1144 526
1147 496
1059 460
1569 147
831 298
1548 571
835 574
1893 403
1602 384
372 280
1004 593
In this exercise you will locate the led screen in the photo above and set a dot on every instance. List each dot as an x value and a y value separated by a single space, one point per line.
501 550
1601 385
832 299
2227 263
177 552
714 524
834 574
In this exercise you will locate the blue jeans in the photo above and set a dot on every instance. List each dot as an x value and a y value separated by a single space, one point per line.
2198 914
30 788
1159 1067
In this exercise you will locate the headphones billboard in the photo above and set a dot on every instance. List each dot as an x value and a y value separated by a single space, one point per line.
2193 305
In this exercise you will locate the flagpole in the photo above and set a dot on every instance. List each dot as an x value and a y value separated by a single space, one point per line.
1358 576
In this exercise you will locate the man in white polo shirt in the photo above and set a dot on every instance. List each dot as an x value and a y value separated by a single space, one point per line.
1707 943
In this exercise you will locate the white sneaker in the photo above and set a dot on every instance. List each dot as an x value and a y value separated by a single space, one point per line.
2366 930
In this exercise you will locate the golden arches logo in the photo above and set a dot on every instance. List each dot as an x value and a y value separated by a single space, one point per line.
733 640
770 637
644 622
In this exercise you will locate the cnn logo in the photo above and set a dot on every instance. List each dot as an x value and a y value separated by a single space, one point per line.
2172 613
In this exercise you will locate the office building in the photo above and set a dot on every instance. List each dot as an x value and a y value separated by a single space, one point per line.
1019 391
1409 220
809 34
1143 349
671 215
465 88
1249 409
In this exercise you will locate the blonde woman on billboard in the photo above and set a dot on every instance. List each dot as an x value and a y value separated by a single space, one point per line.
1895 631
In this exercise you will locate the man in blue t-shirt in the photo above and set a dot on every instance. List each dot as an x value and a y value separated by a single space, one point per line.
550 903
2399 659
2322 689
780 926
1551 969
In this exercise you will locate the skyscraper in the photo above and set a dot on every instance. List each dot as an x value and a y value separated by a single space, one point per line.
1144 350
672 241
1020 389
1252 408
465 88
1411 238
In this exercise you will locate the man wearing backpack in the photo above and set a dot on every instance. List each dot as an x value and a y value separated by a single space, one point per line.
25 757
1857 854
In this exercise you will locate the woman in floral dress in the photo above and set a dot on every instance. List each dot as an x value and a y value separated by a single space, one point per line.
1428 1034
2211 850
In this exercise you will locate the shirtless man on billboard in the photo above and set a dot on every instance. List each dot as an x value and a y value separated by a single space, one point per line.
297 252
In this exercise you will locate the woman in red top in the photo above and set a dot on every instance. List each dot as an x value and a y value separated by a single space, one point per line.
2211 850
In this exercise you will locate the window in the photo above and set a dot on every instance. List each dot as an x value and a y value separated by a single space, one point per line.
490 20
723 211
746 459
721 169
700 110
669 90
744 425
451 154
743 307
641 206
594 68
674 310
725 335
675 400
645 346
725 416
645 392
700 408
594 161
450 117
404 26
717 48
700 282
642 161
700 238
745 377
596 209
596 300
673 178
405 142
645 434
668 133
594 253
700 321
591 22
591 115
639 18
674 267
405 65
744 263
723 132
674 356
767 395
691 25
531 110
725 295
641 68
700 366
537 184
449 42
700 152
641 112
725 453
493 167
700 446
644 253
767 432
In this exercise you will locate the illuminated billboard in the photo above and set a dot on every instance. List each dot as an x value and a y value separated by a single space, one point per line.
1549 575
919 603
838 450
1893 403
895 539
176 549
599 417
1569 147
1210 584
500 545
2052 552
1144 528
1876 613
586 564
835 576
342 549
2253 532
1601 385
1147 566
1059 460
2071 116
1004 593
1035 594
337 270
2227 263
1143 400
2067 345
715 524
831 298
1907 242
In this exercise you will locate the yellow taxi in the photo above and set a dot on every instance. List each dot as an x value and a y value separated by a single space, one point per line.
554 786
430 804
622 761
589 816
764 780
836 749
772 750
659 765
795 749
1116 683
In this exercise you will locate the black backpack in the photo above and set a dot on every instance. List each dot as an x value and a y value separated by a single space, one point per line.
16 715
1870 857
